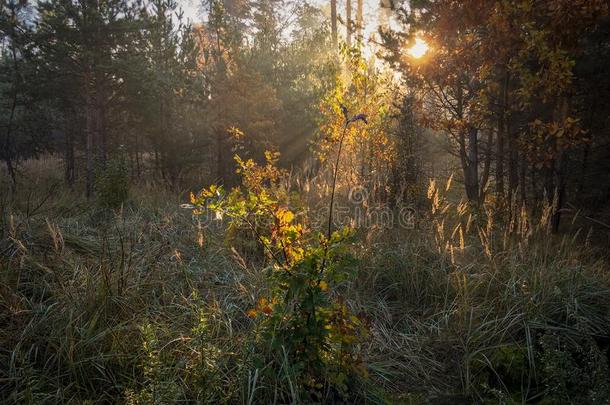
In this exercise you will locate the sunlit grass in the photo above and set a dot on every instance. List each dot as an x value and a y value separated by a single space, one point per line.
99 307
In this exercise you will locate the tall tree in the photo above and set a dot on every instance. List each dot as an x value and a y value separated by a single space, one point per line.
447 78
10 29
553 36
26 120
504 67
173 87
78 41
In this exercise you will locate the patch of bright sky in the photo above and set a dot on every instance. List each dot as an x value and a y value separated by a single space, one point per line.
374 15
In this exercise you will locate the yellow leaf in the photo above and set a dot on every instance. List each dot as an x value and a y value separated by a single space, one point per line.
285 216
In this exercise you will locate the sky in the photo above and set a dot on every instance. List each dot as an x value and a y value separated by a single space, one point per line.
373 13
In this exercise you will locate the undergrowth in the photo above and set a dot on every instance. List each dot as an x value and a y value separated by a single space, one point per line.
146 303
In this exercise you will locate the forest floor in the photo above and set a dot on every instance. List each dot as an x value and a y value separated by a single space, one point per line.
140 305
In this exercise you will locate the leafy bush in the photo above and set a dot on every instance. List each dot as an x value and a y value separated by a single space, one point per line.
574 369
159 383
304 328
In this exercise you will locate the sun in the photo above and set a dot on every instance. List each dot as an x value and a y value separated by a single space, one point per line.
418 49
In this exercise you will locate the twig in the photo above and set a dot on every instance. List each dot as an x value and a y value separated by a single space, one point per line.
332 192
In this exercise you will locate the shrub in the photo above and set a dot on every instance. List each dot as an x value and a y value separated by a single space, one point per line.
303 328
574 369
159 383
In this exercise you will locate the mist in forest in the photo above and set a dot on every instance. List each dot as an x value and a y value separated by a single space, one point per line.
292 201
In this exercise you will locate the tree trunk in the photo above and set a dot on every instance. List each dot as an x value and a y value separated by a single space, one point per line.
502 121
348 22
500 160
559 180
100 130
513 156
69 173
585 154
471 170
469 153
359 21
583 170
89 128
534 178
486 166
560 170
522 176
333 21
8 145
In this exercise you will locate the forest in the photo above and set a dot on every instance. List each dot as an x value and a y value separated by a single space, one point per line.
305 201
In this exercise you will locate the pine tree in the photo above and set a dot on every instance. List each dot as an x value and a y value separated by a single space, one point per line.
77 43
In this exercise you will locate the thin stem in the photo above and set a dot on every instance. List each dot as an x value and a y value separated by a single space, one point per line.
332 201
332 192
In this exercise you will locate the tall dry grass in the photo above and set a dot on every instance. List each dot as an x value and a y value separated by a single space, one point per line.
140 305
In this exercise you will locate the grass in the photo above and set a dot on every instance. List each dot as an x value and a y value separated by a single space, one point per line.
136 305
